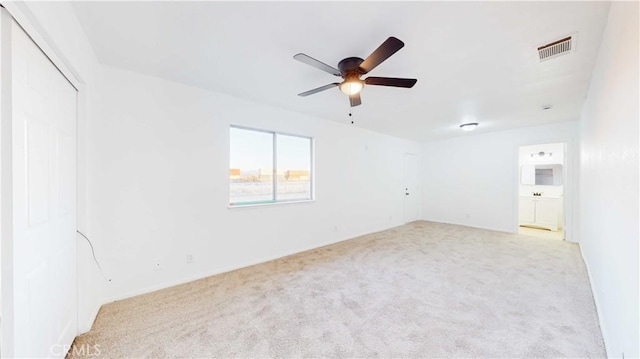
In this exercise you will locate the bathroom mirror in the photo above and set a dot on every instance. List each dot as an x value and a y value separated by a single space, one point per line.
542 175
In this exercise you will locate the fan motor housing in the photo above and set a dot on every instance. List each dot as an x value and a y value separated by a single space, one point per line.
350 64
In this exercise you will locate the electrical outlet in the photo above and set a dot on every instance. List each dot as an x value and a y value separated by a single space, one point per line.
157 266
189 258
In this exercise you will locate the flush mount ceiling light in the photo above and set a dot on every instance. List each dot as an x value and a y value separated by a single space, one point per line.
469 126
547 107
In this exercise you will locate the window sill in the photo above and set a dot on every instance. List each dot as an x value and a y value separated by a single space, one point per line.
274 204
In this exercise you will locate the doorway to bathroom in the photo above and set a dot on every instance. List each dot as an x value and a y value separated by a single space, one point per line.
541 190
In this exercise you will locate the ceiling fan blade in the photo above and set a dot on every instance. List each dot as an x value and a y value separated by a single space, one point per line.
316 90
389 47
355 100
390 81
317 64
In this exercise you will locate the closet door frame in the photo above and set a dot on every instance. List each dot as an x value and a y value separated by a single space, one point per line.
19 12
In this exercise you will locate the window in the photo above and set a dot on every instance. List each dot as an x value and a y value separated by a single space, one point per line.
269 167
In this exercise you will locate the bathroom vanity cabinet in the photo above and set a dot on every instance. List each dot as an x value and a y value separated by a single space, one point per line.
540 212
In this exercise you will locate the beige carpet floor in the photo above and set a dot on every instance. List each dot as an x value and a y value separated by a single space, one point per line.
419 290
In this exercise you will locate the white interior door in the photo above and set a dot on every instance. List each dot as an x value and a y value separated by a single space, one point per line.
411 193
43 166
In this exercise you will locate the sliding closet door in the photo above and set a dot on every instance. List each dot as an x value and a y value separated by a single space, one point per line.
44 202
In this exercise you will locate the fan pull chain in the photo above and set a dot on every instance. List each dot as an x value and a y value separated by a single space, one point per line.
351 114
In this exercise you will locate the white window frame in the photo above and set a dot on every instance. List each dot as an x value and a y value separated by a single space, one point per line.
274 181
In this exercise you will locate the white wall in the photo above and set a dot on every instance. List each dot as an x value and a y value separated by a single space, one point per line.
152 183
609 181
161 184
474 180
153 167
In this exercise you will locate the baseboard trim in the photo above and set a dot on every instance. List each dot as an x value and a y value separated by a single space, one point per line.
503 230
199 276
86 327
603 330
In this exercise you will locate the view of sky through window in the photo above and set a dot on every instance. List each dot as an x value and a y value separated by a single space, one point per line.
252 162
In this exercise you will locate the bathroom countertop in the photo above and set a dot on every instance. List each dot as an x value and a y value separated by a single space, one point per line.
530 196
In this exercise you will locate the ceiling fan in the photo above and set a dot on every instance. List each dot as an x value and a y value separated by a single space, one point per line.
351 68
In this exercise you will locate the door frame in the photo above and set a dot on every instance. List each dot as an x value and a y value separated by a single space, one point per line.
20 13
570 184
23 16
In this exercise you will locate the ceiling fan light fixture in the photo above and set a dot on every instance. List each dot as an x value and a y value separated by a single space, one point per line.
351 68
351 87
469 126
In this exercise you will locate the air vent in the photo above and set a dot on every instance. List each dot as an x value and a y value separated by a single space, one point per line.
556 48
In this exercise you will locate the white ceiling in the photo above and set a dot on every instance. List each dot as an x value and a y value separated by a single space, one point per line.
474 61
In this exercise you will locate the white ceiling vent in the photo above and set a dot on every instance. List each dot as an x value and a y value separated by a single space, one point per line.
557 48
